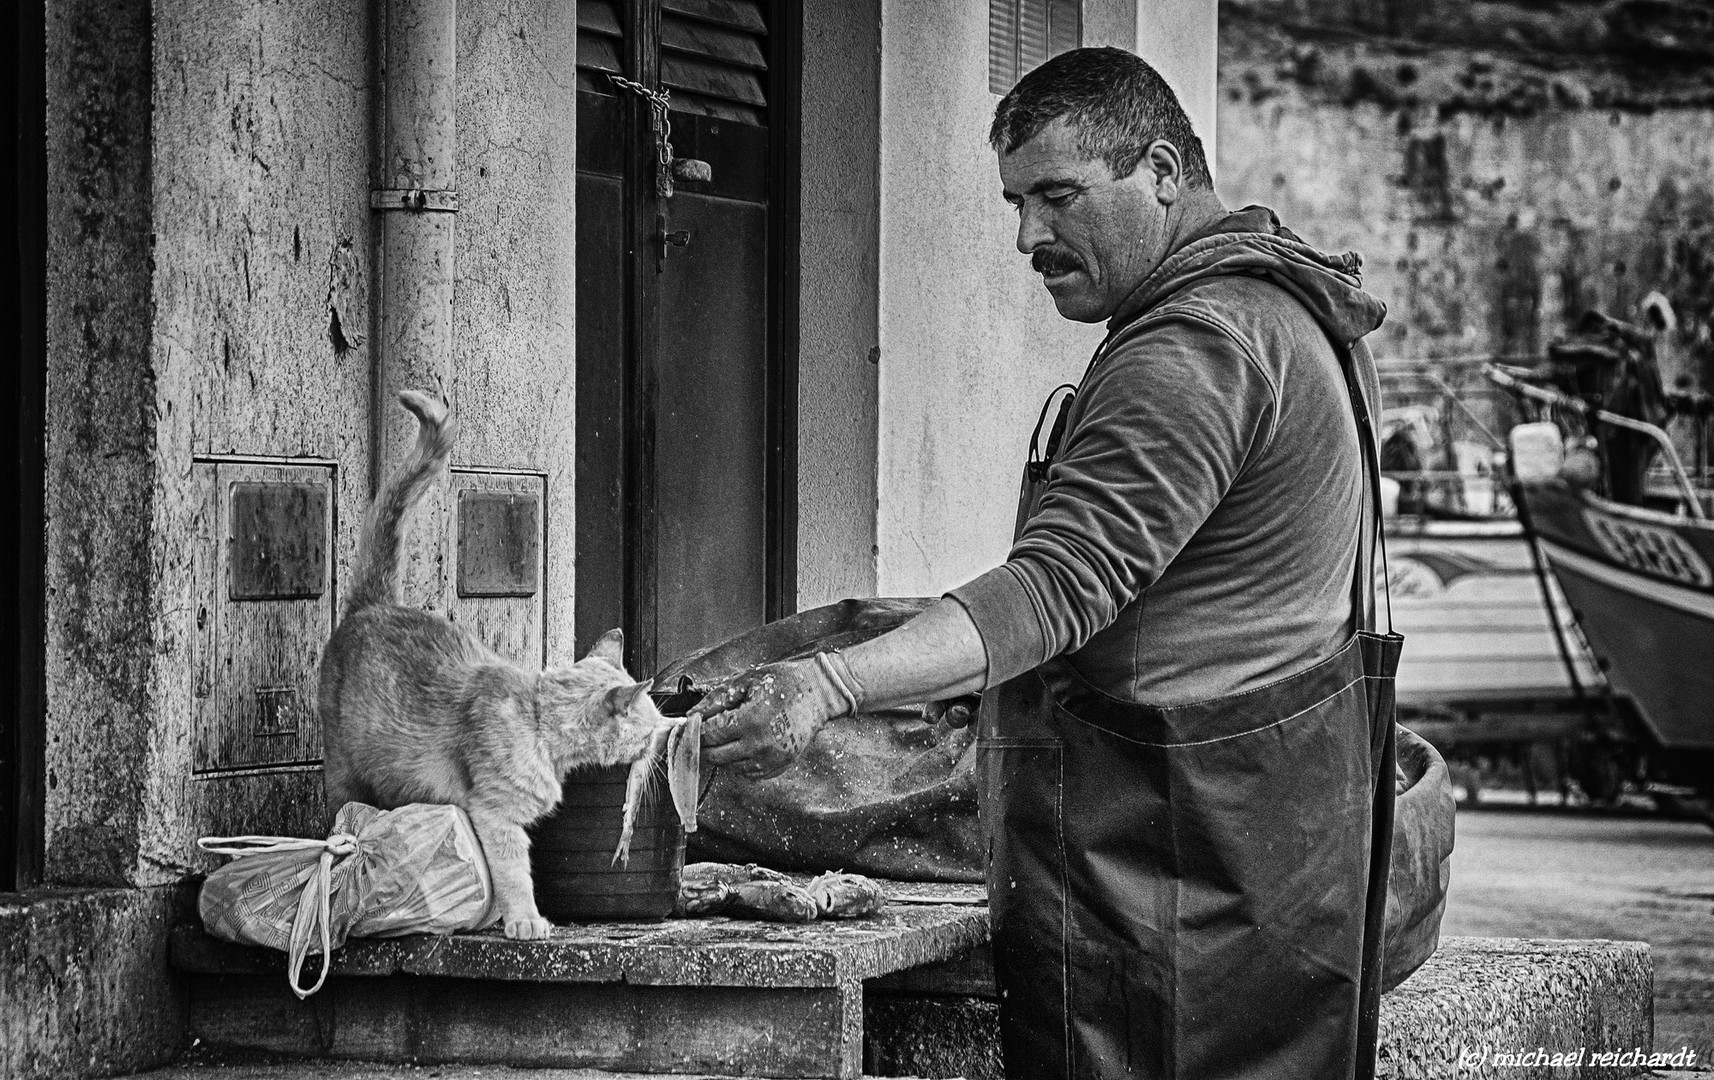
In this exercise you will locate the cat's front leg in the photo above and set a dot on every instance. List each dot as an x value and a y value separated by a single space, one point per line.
508 852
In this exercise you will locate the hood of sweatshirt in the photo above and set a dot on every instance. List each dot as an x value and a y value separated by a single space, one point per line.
1252 241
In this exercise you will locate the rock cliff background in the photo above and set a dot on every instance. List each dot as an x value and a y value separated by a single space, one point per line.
1501 166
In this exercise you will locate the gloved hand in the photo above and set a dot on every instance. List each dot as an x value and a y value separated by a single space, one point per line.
958 712
760 721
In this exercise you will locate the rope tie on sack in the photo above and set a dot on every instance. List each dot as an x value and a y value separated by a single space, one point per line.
314 904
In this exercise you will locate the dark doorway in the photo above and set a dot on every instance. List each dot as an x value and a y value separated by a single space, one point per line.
22 387
686 322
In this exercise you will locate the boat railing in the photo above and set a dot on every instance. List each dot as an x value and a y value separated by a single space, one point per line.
1514 379
1449 495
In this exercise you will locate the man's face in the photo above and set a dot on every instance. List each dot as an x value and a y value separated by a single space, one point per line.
1092 236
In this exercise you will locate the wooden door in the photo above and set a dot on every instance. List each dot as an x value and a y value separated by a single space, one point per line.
686 324
23 395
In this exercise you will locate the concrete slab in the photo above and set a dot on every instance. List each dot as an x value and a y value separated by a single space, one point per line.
364 1070
679 952
688 996
1475 1000
1479 1000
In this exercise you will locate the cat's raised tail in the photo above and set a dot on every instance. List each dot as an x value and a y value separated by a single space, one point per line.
376 576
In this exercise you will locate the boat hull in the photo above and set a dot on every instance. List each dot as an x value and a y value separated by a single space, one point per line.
1466 598
1641 588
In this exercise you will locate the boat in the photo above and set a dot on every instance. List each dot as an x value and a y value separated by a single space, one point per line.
1627 528
1482 630
1495 672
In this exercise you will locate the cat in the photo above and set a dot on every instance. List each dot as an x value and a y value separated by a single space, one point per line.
416 709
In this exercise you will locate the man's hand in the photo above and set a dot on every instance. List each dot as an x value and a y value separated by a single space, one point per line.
760 721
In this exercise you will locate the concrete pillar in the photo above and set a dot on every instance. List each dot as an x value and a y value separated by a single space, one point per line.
839 344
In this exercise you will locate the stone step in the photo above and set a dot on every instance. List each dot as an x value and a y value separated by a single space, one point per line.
906 993
697 996
1474 1002
365 1070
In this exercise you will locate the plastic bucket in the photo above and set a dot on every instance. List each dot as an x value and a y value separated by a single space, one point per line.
571 853
571 850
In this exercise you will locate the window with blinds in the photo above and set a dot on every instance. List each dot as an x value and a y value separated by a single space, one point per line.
714 54
1022 34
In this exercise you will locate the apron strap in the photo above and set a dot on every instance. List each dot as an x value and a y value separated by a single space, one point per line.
1363 588
1039 458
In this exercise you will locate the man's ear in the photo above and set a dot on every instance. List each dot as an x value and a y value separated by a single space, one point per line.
1164 160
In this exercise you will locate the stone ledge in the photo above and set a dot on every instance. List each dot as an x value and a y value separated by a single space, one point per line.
85 989
1506 995
1502 994
682 953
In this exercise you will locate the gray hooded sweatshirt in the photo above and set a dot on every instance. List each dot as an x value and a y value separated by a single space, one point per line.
1198 533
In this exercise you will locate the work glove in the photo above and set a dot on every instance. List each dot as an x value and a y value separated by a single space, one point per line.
759 721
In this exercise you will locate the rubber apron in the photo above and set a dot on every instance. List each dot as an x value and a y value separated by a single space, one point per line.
1189 892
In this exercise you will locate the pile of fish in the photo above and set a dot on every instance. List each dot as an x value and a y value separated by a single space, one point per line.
755 892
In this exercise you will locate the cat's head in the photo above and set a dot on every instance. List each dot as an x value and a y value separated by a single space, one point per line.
597 691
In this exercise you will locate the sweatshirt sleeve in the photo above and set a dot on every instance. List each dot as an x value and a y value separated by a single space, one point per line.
1161 430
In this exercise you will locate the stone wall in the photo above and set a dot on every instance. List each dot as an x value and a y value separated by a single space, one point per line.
211 254
85 989
1501 166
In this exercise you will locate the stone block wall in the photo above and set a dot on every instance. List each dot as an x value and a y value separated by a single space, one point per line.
1501 166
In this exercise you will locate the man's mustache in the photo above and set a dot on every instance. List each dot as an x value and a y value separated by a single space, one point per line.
1053 263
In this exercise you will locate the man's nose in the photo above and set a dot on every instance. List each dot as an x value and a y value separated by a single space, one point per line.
1032 231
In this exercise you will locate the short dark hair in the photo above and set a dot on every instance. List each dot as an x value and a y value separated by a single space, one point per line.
1115 102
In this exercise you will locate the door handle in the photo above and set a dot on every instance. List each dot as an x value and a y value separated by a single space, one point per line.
664 239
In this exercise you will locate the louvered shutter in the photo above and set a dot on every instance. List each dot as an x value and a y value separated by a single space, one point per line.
1022 34
714 57
600 44
714 54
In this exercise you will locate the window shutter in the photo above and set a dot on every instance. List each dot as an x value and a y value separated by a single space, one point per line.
714 57
714 54
1002 45
600 44
1064 26
1024 34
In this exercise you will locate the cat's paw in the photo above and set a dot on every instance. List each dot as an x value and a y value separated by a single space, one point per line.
528 927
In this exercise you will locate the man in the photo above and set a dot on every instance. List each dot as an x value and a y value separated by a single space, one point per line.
1181 732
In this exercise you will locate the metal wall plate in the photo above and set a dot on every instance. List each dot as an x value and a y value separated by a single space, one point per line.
262 559
278 536
499 543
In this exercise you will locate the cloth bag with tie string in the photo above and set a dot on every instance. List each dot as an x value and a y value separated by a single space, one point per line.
380 873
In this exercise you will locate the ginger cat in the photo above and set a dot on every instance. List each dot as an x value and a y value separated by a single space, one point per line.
415 709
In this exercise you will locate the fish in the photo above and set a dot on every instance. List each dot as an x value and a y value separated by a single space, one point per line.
845 896
679 747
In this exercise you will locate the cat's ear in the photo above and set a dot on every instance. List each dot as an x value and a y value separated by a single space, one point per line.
623 699
610 648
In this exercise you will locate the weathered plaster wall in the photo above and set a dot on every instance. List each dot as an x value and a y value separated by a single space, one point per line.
1499 179
212 259
1179 37
970 341
839 343
514 300
85 989
101 465
260 174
